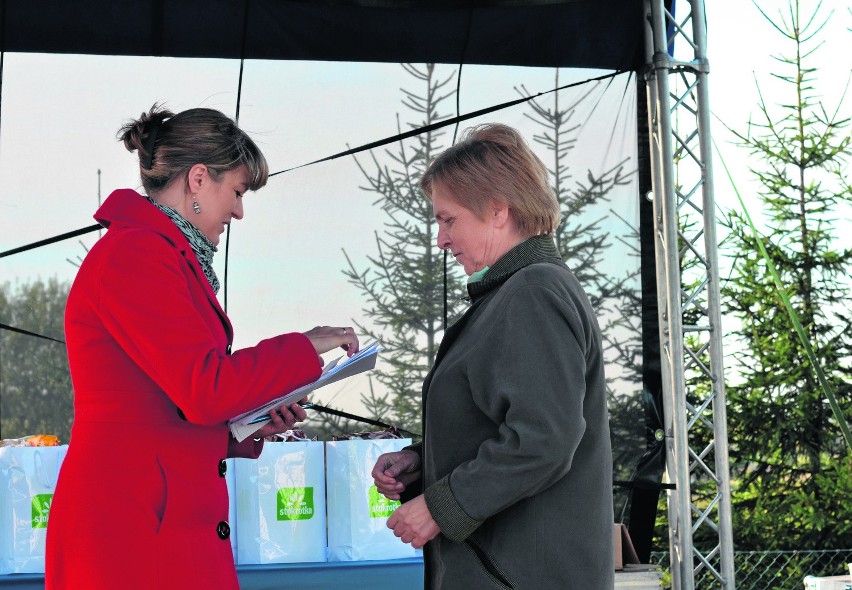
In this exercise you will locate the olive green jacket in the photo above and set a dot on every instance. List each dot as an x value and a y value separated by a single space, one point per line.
516 458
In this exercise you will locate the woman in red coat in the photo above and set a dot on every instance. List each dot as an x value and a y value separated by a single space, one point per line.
141 500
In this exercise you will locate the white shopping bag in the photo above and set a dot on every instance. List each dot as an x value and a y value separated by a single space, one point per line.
27 482
281 504
357 512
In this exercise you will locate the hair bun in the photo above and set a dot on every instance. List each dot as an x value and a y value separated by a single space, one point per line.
135 132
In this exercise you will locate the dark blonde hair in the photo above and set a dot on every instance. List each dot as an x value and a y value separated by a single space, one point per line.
170 144
493 162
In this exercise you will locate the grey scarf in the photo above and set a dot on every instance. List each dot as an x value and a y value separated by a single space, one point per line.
203 248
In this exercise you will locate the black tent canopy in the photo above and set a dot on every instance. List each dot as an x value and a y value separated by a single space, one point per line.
605 34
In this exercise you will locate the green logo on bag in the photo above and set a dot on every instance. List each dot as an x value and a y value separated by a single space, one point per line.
41 510
381 507
295 503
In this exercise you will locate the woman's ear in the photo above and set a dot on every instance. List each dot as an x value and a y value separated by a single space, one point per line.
197 177
499 212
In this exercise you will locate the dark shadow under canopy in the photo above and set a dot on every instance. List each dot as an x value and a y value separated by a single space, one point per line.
605 34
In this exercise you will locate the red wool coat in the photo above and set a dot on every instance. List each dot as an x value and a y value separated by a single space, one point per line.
141 501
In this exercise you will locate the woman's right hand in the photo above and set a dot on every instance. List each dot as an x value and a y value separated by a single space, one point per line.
325 338
394 471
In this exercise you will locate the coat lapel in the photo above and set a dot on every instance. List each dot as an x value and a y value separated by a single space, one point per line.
192 260
128 207
450 336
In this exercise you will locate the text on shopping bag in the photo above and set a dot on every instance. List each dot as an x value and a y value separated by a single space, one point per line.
296 503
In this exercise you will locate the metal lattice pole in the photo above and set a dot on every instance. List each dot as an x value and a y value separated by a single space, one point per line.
700 533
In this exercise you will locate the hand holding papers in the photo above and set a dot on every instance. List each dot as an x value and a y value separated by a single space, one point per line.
247 424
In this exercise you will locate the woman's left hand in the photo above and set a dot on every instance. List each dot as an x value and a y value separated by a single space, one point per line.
282 419
326 338
413 523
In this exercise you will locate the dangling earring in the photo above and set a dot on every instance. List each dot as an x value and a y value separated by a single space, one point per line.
195 206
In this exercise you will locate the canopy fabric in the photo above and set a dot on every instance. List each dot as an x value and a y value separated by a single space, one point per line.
605 34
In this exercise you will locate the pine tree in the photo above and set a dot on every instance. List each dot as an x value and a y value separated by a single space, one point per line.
790 471
404 284
580 239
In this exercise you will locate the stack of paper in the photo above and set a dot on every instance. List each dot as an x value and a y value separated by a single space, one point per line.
247 424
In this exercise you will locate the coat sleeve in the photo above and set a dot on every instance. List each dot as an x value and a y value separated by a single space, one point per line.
528 376
146 304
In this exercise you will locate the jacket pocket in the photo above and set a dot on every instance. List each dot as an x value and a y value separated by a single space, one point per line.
162 501
492 570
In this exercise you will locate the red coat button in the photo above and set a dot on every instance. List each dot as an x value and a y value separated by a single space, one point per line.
223 529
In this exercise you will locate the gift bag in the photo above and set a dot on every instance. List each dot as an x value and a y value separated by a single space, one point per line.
281 504
27 481
357 512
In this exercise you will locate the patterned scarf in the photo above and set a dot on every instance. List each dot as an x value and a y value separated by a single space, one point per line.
203 248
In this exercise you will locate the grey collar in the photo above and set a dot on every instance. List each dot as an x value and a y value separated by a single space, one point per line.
535 249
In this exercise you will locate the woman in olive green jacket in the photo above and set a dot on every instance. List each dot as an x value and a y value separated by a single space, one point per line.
515 466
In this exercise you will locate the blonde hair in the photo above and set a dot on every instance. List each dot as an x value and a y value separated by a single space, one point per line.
170 144
493 162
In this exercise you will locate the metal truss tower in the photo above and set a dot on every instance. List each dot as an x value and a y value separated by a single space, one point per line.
699 508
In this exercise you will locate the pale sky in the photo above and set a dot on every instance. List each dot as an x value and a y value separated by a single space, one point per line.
60 115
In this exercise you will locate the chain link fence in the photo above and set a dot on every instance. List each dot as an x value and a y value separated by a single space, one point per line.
768 570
